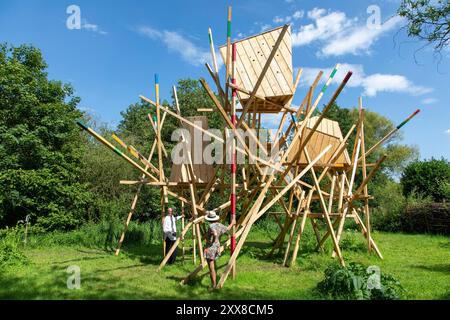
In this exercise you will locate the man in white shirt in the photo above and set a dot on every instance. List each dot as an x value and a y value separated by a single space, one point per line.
170 233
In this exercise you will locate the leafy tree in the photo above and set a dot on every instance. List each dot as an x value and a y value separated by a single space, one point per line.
39 143
375 128
428 20
192 96
427 178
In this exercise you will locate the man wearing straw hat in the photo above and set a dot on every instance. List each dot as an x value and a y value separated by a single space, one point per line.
212 248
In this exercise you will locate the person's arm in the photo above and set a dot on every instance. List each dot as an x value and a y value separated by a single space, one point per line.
179 217
229 227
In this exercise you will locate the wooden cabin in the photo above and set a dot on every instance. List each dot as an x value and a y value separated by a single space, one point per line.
328 132
277 86
203 172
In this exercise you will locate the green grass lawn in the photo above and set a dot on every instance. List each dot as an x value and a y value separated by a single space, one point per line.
420 262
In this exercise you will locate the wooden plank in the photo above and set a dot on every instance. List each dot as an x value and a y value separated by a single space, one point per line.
250 70
264 50
287 40
286 53
283 80
260 59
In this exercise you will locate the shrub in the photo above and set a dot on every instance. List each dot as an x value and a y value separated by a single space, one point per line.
427 178
390 206
351 241
352 283
10 253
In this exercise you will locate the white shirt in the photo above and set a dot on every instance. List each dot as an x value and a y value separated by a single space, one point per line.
170 226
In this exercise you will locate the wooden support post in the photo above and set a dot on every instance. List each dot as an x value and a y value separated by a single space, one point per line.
192 188
291 236
301 229
325 210
233 166
127 222
194 245
228 54
364 173
359 221
330 199
183 249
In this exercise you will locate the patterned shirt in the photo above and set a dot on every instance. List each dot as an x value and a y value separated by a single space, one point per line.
212 249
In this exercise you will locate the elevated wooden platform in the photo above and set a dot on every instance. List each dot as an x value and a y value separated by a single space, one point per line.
277 86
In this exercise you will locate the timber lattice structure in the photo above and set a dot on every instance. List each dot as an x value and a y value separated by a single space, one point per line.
259 79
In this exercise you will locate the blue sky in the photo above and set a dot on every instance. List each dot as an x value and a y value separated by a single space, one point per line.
122 44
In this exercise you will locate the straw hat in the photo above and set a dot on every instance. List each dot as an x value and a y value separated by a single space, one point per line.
211 216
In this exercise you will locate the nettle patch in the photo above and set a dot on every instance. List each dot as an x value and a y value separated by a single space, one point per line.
358 282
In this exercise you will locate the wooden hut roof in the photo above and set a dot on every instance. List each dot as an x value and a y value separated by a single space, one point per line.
252 54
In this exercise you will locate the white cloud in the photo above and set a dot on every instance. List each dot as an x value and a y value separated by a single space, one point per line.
338 34
372 84
265 27
429 101
391 83
447 131
358 39
175 42
92 27
325 26
150 32
295 16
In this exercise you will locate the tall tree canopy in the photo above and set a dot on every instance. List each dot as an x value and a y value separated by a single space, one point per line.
40 145
428 20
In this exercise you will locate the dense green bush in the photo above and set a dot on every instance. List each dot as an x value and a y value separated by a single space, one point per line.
389 207
352 283
39 143
415 213
427 178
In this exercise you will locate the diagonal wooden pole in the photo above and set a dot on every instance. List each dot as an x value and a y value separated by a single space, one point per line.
301 229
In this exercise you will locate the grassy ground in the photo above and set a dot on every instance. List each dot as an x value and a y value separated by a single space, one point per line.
420 262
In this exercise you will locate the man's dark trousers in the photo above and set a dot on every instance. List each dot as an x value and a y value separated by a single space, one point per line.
169 244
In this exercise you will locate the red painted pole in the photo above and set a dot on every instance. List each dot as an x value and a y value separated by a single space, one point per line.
233 153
